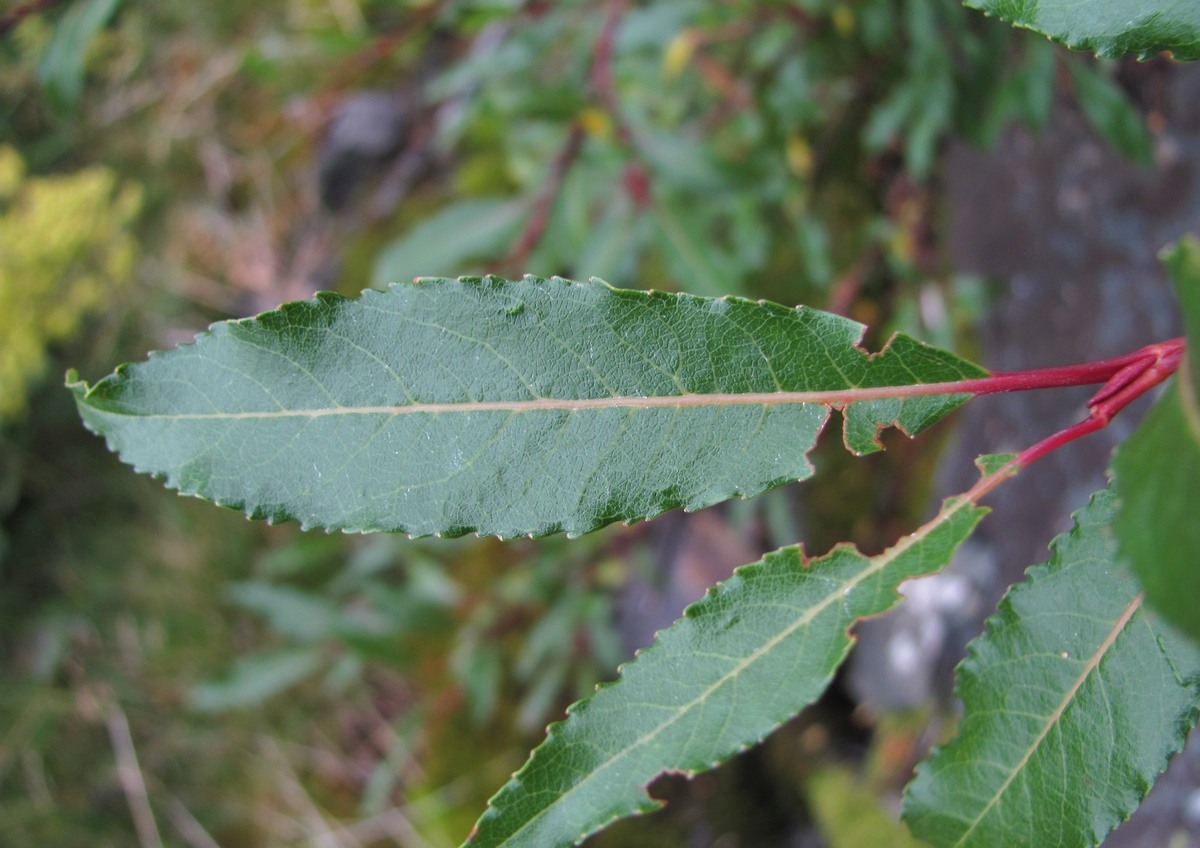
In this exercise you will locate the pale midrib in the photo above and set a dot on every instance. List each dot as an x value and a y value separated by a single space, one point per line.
876 564
1090 666
834 397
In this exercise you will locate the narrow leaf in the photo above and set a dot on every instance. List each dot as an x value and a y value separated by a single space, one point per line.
740 662
1182 261
1074 699
62 66
508 408
690 250
444 242
1107 27
1158 473
256 677
1111 112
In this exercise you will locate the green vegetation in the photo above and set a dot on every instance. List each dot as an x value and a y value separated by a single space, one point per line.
65 251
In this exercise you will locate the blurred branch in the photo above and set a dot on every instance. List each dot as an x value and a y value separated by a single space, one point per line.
539 216
379 49
319 830
22 11
129 775
601 76
602 86
189 828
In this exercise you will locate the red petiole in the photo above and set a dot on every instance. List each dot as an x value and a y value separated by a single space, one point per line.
1140 372
1127 378
1104 371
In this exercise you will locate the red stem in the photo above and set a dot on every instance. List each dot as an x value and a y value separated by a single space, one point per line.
1124 387
601 82
539 216
1135 374
1084 374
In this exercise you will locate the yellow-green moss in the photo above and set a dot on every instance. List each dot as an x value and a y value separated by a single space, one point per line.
65 251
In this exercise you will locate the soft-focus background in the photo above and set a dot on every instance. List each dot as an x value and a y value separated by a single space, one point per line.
172 674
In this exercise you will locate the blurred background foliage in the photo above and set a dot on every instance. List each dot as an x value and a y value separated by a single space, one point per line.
175 675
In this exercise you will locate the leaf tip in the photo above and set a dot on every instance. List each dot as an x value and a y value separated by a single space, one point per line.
73 382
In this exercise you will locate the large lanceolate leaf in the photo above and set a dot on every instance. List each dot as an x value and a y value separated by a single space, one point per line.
1073 701
1158 473
507 408
1108 27
747 657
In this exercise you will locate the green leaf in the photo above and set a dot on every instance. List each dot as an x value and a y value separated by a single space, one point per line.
1034 83
444 242
61 66
1182 261
691 251
1157 475
255 678
1074 699
614 243
1107 27
291 612
1157 472
740 662
1110 111
507 408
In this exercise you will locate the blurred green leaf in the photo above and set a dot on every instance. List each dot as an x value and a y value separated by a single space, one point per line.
698 262
1182 261
1110 111
1074 699
293 613
679 162
816 254
446 241
1157 472
651 27
1026 92
541 691
614 245
61 67
890 116
255 678
1035 83
478 667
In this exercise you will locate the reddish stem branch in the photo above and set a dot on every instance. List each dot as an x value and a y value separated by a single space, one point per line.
601 84
1124 387
601 76
1134 375
1084 374
1124 367
539 215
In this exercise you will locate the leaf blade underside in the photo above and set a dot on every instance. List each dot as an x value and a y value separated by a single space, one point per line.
1157 471
747 657
505 408
1108 28
1074 699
